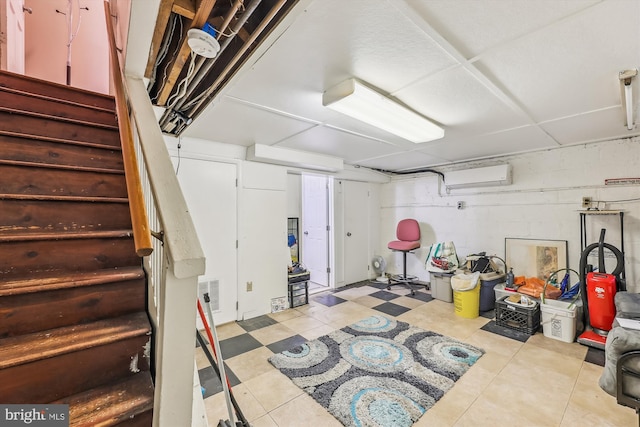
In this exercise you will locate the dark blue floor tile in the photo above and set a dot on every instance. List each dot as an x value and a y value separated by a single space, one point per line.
384 295
256 323
505 332
287 344
391 309
211 383
234 346
329 300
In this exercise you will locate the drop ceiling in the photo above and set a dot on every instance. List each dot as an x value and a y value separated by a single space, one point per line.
501 77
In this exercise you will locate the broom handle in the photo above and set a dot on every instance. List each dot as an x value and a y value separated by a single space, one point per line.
223 374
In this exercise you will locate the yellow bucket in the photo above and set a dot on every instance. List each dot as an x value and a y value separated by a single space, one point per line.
467 303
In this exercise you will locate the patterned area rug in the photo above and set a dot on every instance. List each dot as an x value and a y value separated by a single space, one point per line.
378 371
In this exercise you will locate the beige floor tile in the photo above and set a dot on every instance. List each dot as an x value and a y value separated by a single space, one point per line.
249 405
273 389
251 364
494 343
368 301
311 308
264 421
303 411
273 333
285 315
216 409
201 360
408 302
593 404
354 293
216 406
313 334
302 324
228 330
448 409
506 402
574 350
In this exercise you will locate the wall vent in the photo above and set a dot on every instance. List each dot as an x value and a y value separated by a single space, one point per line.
211 286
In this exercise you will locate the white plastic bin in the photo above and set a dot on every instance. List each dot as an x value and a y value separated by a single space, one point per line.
441 286
558 320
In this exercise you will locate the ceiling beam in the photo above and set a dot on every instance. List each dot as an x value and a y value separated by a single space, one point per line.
202 14
158 34
185 8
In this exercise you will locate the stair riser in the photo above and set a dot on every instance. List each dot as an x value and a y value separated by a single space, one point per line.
26 313
17 101
39 127
26 84
56 182
37 216
28 258
51 379
52 153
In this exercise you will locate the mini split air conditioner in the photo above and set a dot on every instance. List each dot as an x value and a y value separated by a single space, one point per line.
478 177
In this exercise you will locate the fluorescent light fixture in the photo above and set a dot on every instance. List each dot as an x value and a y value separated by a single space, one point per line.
626 79
360 102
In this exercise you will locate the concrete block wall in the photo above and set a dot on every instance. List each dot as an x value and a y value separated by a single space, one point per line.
543 203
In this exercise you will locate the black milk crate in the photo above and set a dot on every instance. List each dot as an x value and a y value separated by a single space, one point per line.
513 316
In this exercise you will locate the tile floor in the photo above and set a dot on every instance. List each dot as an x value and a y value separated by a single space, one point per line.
520 381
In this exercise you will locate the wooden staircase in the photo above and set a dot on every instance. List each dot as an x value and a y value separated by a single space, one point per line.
73 321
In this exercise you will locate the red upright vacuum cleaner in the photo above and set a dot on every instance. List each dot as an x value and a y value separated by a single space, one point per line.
598 290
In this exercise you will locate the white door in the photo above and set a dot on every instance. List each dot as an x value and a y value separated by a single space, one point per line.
356 230
13 45
211 195
315 227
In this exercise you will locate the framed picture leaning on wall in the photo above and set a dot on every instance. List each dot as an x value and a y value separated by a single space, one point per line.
535 258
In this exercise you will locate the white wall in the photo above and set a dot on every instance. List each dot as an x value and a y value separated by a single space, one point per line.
542 203
294 196
46 44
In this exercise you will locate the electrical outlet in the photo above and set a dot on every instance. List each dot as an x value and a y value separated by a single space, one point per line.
586 202
460 205
249 286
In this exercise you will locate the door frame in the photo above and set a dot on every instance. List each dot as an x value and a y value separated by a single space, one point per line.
331 282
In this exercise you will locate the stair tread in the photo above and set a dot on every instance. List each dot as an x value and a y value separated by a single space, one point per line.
25 235
58 100
63 281
35 85
112 403
59 140
54 342
64 198
58 166
58 118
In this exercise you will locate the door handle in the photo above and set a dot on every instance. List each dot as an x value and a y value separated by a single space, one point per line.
348 234
306 233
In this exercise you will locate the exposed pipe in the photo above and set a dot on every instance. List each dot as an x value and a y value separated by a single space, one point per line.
272 13
201 71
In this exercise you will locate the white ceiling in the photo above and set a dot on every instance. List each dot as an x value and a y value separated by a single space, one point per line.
501 77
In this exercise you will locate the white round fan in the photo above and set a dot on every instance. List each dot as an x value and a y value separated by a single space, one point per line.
379 266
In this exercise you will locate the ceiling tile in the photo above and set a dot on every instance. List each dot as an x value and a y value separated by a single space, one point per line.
475 26
463 105
571 67
332 41
522 139
403 161
594 126
232 122
352 148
